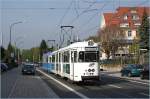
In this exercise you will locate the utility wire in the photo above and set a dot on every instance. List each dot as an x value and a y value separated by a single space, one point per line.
75 7
92 17
48 8
67 10
77 17
61 20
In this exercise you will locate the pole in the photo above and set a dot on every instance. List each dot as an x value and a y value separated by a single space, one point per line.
18 57
1 38
11 28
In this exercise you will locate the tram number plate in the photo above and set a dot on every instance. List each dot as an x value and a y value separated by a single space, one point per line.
91 48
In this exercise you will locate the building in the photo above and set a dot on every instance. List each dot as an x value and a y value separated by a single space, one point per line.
128 19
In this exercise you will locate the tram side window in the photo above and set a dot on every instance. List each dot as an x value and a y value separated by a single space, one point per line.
74 56
53 58
49 59
63 57
59 57
66 56
81 56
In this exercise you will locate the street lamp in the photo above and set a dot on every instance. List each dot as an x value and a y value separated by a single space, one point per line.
12 26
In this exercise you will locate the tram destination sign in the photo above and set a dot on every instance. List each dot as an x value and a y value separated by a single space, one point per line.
91 48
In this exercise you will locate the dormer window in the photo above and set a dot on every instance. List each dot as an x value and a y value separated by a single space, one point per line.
135 17
133 11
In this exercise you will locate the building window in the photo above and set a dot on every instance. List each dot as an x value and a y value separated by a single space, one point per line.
125 17
129 33
133 11
135 17
124 25
137 24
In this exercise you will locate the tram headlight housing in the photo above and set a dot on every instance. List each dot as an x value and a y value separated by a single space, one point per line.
89 70
93 70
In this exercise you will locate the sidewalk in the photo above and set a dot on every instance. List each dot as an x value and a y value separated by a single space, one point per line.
118 74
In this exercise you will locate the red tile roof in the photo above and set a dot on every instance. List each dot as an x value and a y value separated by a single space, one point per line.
117 17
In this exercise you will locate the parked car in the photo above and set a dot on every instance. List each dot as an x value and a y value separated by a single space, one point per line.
28 69
131 70
4 67
145 72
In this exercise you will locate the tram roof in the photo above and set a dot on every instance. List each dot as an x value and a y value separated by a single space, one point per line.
79 45
74 45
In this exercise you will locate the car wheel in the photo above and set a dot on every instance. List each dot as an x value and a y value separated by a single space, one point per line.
141 76
122 74
129 75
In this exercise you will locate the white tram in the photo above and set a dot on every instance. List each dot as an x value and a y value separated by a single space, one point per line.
78 61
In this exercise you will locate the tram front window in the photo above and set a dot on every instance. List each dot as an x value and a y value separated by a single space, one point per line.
88 56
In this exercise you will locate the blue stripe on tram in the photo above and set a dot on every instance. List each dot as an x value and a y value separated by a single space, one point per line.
48 66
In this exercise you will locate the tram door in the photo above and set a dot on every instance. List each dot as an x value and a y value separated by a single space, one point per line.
73 60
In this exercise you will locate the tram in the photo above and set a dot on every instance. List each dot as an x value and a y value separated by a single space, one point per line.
78 61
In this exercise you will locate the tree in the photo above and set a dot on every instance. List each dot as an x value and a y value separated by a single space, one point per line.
27 54
110 38
36 52
43 48
144 32
9 51
10 48
3 52
94 38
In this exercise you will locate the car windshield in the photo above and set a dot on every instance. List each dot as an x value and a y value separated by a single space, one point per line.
28 66
139 66
134 66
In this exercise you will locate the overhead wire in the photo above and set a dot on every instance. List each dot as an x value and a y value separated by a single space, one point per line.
75 7
77 17
67 10
93 16
61 20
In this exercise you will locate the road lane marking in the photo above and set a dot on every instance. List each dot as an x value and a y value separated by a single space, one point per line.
128 79
12 90
114 86
69 88
144 94
139 82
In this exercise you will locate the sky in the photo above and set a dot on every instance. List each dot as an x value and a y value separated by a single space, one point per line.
41 19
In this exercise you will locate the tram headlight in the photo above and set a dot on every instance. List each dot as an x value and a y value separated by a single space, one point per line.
93 70
89 70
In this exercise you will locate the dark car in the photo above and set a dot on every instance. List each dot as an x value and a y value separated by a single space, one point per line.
145 72
28 69
131 70
4 67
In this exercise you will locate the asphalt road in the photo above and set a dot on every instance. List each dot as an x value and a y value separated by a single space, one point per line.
43 85
16 85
